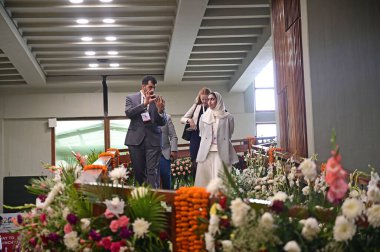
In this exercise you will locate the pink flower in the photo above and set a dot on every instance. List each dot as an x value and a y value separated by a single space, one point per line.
114 226
106 243
67 228
43 217
336 178
115 246
337 190
108 214
123 221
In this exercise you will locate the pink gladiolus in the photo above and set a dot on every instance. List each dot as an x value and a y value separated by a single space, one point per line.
336 178
67 228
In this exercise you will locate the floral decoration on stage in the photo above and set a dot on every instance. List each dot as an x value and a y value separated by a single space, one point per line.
181 173
277 206
63 219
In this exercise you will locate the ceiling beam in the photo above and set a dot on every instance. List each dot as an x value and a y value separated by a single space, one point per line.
188 20
18 52
252 64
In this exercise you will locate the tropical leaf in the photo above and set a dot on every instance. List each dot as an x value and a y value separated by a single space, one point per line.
148 207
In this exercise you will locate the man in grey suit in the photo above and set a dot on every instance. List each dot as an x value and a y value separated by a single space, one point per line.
169 151
143 139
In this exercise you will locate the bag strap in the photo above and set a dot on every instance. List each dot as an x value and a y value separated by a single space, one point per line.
192 114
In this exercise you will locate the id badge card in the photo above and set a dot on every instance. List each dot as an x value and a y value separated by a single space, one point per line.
145 116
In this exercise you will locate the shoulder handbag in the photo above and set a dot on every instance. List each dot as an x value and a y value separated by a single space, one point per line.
186 135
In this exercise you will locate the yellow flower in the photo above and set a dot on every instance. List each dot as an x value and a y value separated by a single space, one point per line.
213 209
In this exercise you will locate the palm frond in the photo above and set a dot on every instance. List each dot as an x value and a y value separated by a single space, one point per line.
148 207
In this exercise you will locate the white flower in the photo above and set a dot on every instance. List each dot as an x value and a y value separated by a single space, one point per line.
39 203
71 240
85 224
266 221
373 214
87 250
281 196
118 174
213 227
310 228
373 194
214 186
306 190
354 194
227 246
65 212
343 229
57 177
140 227
292 246
309 169
139 192
239 212
352 208
210 242
115 206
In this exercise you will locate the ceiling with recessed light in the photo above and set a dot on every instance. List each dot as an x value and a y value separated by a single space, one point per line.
66 43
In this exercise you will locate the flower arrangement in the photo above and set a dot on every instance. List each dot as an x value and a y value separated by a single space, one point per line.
190 203
62 218
296 208
181 173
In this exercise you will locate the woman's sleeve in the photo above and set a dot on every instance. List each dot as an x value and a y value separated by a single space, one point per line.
189 114
231 126
201 126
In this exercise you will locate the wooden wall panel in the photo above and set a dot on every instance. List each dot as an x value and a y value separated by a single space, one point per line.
289 76
292 12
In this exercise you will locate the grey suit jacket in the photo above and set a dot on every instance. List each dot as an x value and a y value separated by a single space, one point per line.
169 138
225 149
137 128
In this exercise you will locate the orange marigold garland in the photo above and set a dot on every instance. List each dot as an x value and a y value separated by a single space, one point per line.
113 154
190 204
93 167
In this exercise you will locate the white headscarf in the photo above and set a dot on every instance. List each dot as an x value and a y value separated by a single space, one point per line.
218 112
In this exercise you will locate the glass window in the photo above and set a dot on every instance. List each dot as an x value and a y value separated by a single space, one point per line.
264 89
81 136
265 78
264 100
266 129
118 131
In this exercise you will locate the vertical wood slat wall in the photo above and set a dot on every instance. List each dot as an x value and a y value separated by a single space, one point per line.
286 29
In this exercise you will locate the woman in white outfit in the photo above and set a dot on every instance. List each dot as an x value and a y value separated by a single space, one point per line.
216 127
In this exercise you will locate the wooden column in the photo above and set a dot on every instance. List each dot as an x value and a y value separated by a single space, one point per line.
288 67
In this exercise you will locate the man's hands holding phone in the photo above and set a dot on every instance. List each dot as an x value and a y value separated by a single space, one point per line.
150 96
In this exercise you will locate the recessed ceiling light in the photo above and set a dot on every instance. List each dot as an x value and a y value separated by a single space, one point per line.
105 1
93 65
110 38
113 53
76 1
114 65
108 20
90 53
86 39
82 21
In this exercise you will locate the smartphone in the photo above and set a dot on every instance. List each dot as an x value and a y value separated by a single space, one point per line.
152 95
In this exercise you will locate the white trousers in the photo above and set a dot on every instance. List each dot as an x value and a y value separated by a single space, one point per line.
208 169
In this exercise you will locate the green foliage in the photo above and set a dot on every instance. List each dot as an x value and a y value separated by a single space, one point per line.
149 207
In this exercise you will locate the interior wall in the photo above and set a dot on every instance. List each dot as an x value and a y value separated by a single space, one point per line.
344 61
25 136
